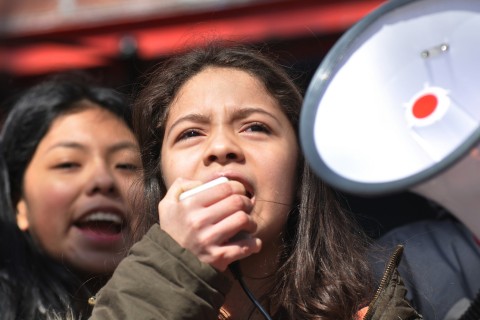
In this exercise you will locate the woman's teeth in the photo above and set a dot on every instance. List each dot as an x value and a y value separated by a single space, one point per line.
103 216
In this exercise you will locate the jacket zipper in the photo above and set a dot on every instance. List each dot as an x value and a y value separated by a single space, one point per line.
392 264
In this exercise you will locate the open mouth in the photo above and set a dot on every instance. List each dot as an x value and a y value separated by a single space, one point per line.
249 192
102 223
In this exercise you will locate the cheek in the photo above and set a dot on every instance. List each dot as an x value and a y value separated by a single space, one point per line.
283 174
166 165
49 203
281 188
167 172
177 165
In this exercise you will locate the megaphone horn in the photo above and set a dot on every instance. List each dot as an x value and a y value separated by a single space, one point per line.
396 100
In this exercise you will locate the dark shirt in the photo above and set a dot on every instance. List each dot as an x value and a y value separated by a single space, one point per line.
440 266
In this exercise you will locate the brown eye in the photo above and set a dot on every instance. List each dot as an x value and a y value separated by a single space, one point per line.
188 134
257 127
127 166
67 165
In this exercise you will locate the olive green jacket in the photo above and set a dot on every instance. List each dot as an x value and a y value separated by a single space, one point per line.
161 280
389 301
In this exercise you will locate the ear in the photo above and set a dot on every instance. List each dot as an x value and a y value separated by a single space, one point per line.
22 217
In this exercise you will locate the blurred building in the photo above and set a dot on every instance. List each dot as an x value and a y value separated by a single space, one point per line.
120 39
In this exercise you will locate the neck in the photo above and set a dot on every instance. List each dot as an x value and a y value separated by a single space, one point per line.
95 282
258 274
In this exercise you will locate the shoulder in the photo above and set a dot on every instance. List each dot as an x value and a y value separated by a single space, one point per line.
445 239
423 228
390 300
170 282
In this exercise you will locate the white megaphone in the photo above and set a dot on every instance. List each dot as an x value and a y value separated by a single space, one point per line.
395 105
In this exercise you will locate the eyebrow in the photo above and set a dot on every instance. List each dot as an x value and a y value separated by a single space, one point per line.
245 112
193 117
111 149
237 114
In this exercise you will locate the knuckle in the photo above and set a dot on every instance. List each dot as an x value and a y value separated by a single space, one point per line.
195 223
238 201
203 243
227 189
243 219
213 259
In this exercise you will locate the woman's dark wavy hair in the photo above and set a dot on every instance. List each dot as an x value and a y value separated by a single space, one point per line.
29 278
322 271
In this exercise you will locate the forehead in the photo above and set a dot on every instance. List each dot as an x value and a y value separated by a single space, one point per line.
87 120
86 114
222 86
212 76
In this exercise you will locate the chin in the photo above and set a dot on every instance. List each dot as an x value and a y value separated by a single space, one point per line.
98 266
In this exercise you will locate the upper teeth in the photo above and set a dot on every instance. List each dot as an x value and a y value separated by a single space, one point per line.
103 216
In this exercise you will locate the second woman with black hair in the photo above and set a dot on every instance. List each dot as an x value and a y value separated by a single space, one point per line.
68 158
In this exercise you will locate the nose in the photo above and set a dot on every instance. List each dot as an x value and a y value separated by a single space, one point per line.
223 148
101 181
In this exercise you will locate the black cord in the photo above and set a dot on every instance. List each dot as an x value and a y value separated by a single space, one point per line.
235 268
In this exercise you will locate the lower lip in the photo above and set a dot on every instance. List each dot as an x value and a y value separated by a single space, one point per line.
99 238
